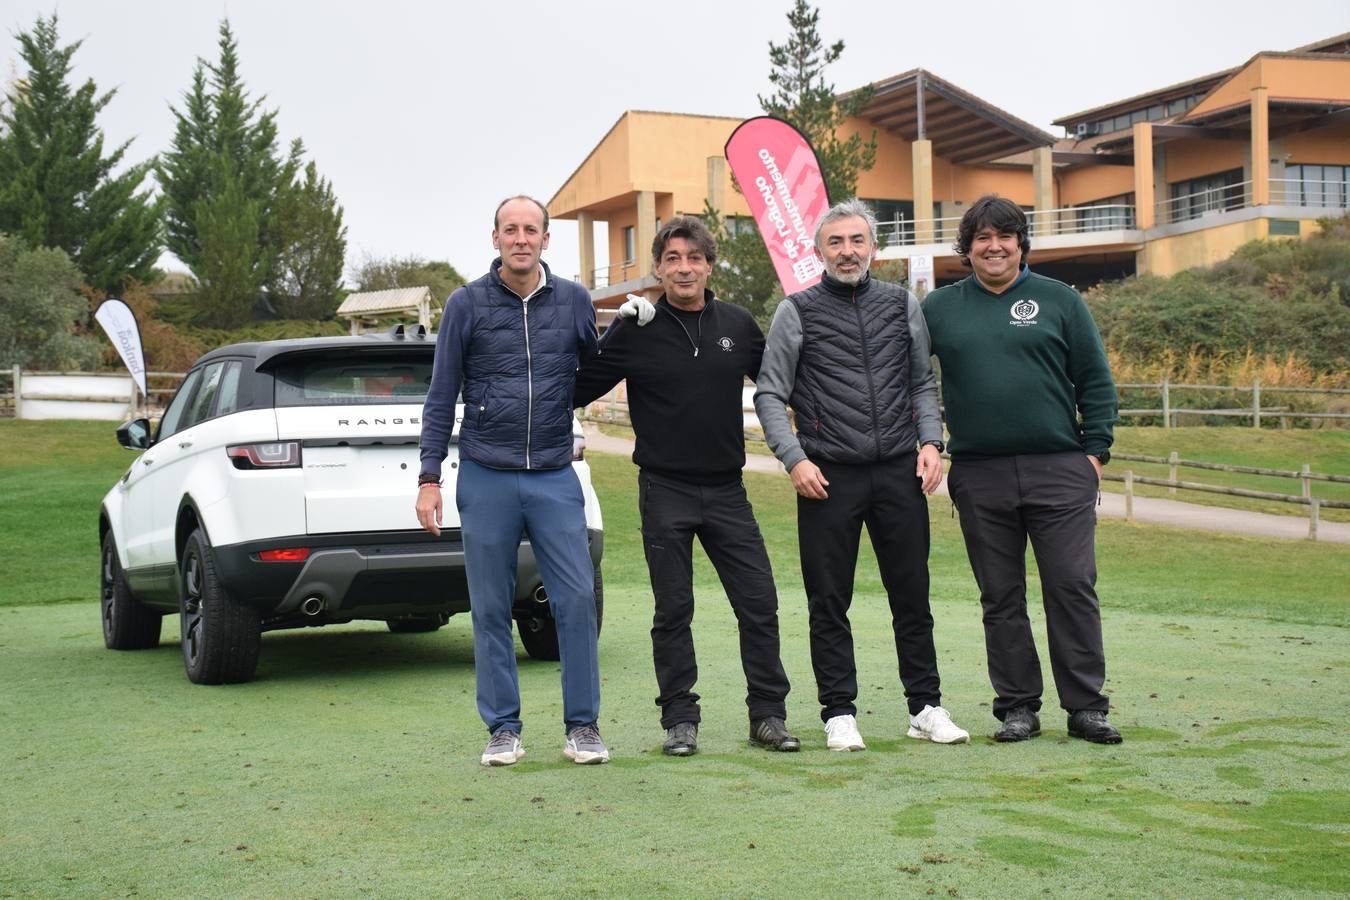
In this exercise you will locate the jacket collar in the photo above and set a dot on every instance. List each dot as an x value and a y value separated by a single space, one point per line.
708 301
545 283
847 291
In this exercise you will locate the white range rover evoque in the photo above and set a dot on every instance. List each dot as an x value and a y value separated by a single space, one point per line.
278 492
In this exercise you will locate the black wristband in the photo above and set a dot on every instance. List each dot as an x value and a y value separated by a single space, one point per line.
428 478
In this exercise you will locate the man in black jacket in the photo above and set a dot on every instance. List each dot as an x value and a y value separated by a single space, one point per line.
850 355
685 372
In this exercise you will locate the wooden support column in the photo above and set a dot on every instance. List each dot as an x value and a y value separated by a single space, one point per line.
1260 146
646 231
586 248
1144 200
717 183
923 191
1043 182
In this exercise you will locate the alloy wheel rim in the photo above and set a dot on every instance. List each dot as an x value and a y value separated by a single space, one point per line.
107 578
192 606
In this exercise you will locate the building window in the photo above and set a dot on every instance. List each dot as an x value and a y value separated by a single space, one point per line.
738 225
1212 193
629 244
895 218
1313 185
1107 214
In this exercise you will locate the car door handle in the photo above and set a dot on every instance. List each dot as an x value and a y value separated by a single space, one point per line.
183 445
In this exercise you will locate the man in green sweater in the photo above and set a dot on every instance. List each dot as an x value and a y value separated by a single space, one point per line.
1030 409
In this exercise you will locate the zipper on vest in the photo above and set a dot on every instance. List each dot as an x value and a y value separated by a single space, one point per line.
529 382
867 370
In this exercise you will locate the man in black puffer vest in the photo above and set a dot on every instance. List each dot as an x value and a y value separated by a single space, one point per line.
850 356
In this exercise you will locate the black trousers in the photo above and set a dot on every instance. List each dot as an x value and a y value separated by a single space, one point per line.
673 513
887 497
1049 498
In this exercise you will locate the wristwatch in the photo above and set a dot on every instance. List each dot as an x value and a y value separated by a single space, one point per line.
938 444
1103 457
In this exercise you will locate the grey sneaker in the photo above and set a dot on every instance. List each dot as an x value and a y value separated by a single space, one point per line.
771 733
681 739
504 749
584 746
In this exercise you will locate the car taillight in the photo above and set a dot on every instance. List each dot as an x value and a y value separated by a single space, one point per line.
288 554
275 455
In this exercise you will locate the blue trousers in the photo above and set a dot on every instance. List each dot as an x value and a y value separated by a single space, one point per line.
495 508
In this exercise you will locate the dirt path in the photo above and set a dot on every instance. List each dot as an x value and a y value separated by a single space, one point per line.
1146 509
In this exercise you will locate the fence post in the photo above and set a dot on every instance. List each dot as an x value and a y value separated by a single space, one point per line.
1129 495
1166 402
1314 514
1307 482
1256 403
1172 460
18 393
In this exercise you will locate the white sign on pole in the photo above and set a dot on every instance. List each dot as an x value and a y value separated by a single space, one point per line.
921 275
119 322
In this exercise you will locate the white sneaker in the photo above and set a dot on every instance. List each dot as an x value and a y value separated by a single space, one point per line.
505 749
841 734
935 724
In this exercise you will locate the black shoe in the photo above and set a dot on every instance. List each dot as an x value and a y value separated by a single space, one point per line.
1019 723
772 734
681 739
1091 725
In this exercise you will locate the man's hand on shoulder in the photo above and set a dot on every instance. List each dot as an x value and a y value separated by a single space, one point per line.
639 308
809 481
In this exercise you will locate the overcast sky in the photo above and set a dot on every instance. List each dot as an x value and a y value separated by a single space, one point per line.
424 115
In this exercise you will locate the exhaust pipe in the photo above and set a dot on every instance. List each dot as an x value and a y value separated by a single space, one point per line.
312 605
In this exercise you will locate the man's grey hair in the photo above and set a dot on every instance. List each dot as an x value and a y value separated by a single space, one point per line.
847 209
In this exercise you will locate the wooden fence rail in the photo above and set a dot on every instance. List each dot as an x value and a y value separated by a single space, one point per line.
1169 412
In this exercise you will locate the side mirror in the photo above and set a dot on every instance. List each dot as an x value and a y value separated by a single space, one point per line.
134 435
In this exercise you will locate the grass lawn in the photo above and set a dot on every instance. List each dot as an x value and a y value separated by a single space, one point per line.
350 764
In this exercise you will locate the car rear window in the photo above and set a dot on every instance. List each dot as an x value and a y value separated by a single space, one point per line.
364 379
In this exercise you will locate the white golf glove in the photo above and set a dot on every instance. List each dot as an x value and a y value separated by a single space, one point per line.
639 308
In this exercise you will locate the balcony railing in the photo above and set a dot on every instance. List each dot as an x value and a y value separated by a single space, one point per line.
1306 192
1207 202
1043 223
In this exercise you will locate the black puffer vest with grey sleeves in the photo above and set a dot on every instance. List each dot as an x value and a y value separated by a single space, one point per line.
852 394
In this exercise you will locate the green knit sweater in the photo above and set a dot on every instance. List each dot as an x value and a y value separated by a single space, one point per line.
1020 368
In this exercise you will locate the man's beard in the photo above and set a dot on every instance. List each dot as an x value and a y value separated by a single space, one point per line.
864 263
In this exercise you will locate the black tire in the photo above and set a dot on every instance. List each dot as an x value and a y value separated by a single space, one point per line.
221 638
128 624
538 632
415 625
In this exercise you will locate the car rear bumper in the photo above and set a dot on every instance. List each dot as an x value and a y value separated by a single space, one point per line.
377 576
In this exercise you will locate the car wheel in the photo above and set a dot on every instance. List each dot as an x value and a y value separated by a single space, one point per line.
221 638
539 633
415 625
128 624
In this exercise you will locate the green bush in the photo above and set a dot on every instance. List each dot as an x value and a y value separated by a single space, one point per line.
1273 298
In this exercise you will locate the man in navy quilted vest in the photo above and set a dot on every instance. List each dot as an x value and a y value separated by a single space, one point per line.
850 355
512 342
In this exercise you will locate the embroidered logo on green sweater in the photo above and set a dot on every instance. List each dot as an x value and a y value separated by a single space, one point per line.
1024 313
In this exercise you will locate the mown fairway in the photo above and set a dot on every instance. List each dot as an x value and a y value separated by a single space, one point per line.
350 765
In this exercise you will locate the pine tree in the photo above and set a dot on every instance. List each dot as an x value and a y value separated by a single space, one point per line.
222 181
57 187
804 99
313 244
745 274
